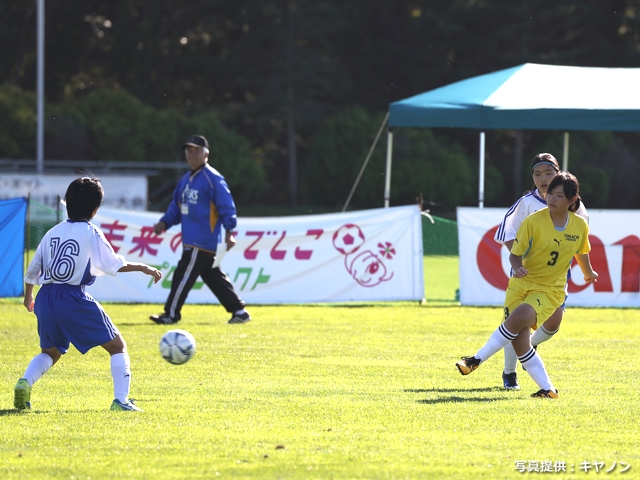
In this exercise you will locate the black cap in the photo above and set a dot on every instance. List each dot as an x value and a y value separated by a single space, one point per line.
196 141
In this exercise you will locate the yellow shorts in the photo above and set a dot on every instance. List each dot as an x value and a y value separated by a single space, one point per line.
544 299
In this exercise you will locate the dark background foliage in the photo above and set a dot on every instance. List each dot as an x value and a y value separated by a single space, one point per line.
291 93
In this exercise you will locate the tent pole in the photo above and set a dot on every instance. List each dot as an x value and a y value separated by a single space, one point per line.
565 152
481 174
387 174
366 161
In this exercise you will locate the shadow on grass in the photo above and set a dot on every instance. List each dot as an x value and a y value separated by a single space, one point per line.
455 398
15 411
432 401
152 324
170 325
450 390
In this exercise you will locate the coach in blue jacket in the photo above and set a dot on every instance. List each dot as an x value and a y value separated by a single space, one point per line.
203 204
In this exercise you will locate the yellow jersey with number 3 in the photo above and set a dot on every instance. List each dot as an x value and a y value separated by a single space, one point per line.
547 251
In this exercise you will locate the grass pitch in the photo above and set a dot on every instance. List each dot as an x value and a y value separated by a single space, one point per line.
363 391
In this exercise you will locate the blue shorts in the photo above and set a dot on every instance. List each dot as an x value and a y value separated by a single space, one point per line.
67 314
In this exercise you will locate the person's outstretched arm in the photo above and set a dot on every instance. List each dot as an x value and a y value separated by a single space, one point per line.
144 268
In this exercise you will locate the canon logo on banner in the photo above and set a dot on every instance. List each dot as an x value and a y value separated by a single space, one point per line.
615 254
489 262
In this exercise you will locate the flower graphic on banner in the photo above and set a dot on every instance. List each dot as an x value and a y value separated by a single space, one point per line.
366 267
386 250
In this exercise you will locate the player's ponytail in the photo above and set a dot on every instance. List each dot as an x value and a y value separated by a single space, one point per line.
576 205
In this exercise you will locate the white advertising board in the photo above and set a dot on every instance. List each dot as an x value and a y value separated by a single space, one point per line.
368 255
615 256
121 191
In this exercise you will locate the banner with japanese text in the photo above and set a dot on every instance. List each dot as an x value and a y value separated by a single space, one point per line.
368 255
121 191
615 256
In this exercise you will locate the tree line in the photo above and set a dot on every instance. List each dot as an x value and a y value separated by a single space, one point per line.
292 93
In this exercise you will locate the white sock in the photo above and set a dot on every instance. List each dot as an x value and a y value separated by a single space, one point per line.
240 312
541 335
497 341
38 366
510 359
535 367
121 374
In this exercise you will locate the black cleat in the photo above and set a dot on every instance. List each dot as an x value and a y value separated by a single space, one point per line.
163 319
510 381
240 318
545 394
468 365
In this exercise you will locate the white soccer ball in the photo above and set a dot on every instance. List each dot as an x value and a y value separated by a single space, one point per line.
177 346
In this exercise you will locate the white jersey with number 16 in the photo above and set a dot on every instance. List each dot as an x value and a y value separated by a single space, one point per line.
73 253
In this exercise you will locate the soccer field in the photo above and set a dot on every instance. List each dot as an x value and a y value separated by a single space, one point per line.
365 391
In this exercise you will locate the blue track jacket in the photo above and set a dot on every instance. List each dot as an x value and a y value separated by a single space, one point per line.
202 202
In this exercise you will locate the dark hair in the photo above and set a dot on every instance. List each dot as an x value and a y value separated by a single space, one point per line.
83 196
570 187
545 158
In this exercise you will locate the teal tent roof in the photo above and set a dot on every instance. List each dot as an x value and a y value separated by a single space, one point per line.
530 97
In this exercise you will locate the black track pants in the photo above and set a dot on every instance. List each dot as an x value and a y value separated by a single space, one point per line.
197 263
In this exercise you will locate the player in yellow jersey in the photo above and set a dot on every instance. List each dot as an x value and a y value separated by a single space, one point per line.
544 167
544 247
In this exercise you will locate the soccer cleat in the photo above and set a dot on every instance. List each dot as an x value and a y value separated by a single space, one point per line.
22 395
510 381
240 318
127 406
468 365
163 319
542 393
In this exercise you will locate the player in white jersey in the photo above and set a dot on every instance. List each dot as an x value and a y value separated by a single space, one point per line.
544 168
69 257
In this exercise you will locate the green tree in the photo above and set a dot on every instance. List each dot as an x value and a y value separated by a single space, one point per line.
443 173
17 122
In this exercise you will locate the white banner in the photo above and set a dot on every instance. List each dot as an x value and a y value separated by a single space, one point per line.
369 255
121 191
615 255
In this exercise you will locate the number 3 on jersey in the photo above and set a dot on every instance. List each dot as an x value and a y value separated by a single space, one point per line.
554 259
62 263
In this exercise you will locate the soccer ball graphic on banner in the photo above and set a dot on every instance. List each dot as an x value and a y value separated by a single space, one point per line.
177 346
348 238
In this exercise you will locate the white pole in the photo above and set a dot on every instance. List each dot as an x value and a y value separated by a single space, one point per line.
40 94
565 152
366 161
481 174
387 175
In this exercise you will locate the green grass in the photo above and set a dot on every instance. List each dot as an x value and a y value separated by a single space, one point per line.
368 391
441 279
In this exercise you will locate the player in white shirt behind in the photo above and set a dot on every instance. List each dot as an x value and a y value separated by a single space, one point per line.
69 257
544 168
